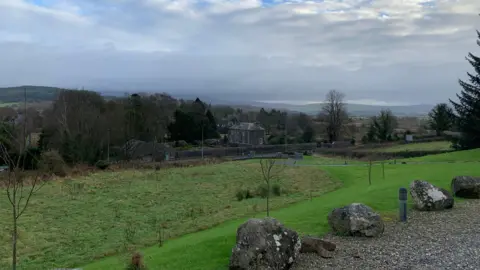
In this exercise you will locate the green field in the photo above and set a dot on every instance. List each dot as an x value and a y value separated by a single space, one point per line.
69 223
9 104
211 249
427 146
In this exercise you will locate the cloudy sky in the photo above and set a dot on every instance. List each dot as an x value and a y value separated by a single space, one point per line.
385 51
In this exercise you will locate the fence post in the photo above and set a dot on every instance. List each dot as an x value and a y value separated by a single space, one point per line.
402 198
383 170
370 173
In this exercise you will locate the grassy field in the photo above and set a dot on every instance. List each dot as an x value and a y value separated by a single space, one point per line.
72 222
427 146
210 249
9 104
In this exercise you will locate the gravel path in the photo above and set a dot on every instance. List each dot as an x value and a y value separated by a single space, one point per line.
429 240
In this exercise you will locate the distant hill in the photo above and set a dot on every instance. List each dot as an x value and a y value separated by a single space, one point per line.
353 109
34 94
13 95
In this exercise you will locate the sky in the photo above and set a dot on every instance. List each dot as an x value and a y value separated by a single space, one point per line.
375 52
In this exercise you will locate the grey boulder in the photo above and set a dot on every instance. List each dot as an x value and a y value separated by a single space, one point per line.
466 187
264 244
356 219
427 197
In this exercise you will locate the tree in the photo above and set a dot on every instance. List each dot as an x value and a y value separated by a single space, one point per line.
384 124
441 118
19 189
467 107
334 114
381 127
270 172
77 125
308 134
19 186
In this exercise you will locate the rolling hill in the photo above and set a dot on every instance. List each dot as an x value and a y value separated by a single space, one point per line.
13 95
354 109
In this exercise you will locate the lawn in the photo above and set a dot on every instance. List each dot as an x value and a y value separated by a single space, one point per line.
70 222
427 146
210 249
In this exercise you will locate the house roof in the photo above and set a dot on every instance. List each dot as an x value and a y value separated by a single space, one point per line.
247 126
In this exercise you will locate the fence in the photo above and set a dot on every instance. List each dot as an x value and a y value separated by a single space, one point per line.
363 153
243 151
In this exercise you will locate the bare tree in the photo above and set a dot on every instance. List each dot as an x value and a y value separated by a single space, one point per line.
19 187
334 114
270 172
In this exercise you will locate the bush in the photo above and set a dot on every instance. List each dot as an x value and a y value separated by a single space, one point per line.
307 153
52 162
276 189
243 194
28 160
262 191
136 262
102 164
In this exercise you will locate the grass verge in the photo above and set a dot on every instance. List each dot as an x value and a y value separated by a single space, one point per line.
427 146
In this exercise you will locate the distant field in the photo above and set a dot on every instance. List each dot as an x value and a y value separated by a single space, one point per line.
427 146
10 104
71 222
211 249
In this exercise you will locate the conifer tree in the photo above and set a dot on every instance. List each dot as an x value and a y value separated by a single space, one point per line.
468 106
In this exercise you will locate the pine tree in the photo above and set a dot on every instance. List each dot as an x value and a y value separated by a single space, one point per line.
468 106
440 118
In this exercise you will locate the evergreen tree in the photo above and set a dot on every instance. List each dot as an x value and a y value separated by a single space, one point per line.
468 106
441 118
308 134
211 126
385 123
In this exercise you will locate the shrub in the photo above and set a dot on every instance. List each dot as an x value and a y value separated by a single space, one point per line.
136 263
102 164
27 160
276 189
307 153
52 162
239 195
243 194
262 191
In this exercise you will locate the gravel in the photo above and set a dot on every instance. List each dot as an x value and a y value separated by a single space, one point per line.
448 239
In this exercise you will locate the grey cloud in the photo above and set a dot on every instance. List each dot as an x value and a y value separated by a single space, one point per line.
260 54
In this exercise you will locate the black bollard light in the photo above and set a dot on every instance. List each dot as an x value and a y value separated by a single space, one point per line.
402 198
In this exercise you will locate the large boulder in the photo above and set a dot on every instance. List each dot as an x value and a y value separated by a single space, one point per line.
428 197
356 219
466 187
264 244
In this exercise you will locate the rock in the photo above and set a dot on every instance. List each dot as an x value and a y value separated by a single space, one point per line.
428 197
466 187
264 244
316 245
356 254
356 220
